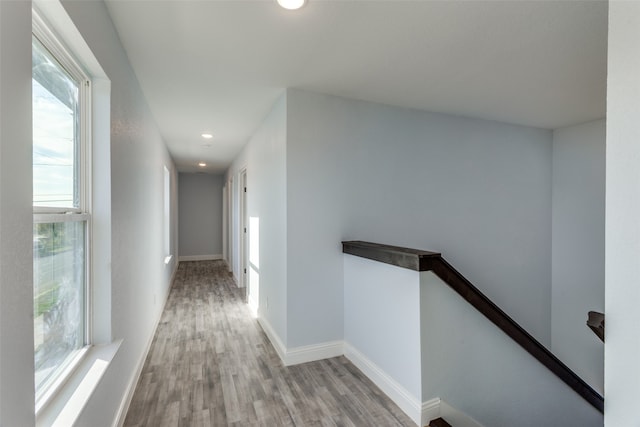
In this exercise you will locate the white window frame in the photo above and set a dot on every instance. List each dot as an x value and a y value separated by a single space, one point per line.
57 49
66 404
167 215
82 213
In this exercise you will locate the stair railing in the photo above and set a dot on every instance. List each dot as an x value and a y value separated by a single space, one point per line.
420 260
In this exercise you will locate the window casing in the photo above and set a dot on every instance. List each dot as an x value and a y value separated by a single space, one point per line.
167 215
62 211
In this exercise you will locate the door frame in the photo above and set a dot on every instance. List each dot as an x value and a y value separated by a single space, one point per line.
244 230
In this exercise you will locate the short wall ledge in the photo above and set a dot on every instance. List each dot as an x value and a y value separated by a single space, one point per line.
413 259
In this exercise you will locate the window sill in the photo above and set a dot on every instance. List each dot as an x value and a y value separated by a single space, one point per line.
67 404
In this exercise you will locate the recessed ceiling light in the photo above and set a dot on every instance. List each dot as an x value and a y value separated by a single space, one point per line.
207 136
291 4
202 164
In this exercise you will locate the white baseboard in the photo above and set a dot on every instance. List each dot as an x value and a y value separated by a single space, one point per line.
276 342
304 354
171 279
200 257
420 413
430 410
438 408
311 353
455 417
133 382
409 404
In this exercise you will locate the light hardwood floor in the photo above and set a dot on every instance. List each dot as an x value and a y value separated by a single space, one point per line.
210 364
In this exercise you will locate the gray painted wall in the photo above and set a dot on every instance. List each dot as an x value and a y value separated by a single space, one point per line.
578 247
385 299
622 272
484 373
475 190
16 223
480 192
264 157
200 214
140 280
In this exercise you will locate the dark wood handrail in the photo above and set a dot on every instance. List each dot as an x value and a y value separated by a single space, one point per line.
595 321
419 260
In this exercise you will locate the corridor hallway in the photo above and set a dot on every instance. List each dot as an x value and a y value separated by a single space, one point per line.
210 364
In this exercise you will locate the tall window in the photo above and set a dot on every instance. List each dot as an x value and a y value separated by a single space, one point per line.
61 180
167 215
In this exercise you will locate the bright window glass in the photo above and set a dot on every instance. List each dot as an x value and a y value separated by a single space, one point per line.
59 295
60 231
56 129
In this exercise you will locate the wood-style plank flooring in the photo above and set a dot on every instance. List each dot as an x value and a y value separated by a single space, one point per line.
211 364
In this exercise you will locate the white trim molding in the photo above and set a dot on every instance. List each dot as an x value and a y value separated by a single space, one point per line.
125 403
419 412
456 417
200 257
304 354
275 340
311 353
409 404
431 410
438 408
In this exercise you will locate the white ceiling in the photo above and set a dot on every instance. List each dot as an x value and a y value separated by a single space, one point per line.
219 65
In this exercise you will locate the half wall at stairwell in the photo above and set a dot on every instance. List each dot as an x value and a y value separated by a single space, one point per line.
472 354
